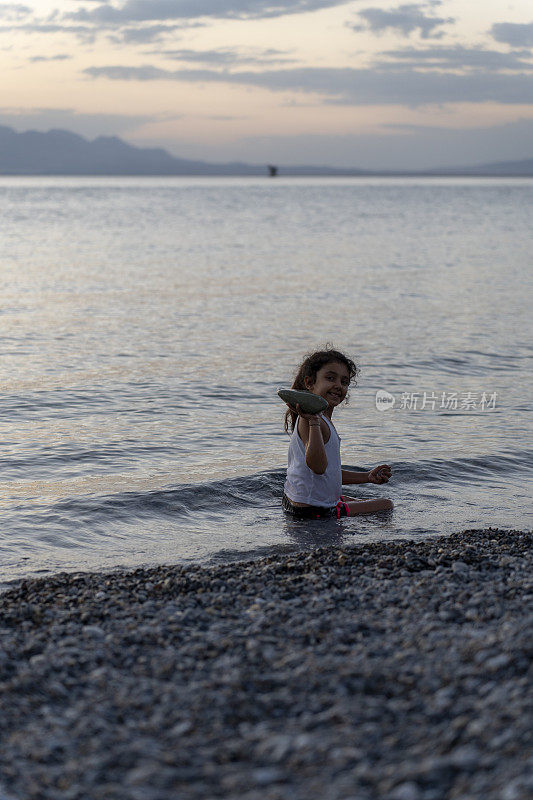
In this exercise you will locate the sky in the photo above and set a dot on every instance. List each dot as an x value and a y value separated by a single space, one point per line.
364 83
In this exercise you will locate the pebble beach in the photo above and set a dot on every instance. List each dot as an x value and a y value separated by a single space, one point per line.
397 670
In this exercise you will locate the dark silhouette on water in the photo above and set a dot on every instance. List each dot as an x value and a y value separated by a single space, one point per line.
272 170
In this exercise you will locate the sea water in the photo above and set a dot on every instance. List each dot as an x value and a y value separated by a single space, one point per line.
146 323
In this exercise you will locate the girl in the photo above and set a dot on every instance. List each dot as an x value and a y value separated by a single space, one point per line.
314 475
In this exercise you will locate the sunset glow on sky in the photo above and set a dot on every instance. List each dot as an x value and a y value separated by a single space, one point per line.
364 83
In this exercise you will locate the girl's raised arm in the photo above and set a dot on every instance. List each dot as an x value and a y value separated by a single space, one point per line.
310 431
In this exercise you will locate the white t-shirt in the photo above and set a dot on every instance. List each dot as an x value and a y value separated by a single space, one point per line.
302 485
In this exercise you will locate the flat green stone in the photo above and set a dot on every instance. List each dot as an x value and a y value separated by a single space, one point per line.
309 403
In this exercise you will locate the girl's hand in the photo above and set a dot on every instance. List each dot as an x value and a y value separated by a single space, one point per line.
380 474
312 419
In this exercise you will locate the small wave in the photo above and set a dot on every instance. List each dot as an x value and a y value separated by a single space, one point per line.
138 399
70 460
264 488
252 490
474 468
470 363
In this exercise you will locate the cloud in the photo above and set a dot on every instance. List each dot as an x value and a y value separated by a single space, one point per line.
59 57
351 86
405 19
457 57
145 73
129 22
227 57
85 33
146 34
147 10
14 11
513 33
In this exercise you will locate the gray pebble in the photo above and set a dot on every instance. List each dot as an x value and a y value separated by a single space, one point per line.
396 670
266 776
405 791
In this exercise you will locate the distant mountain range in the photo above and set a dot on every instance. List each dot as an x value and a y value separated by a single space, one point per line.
59 152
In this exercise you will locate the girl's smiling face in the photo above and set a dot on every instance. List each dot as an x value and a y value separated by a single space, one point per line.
332 383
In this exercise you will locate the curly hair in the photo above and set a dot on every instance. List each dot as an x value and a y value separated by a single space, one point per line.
309 368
